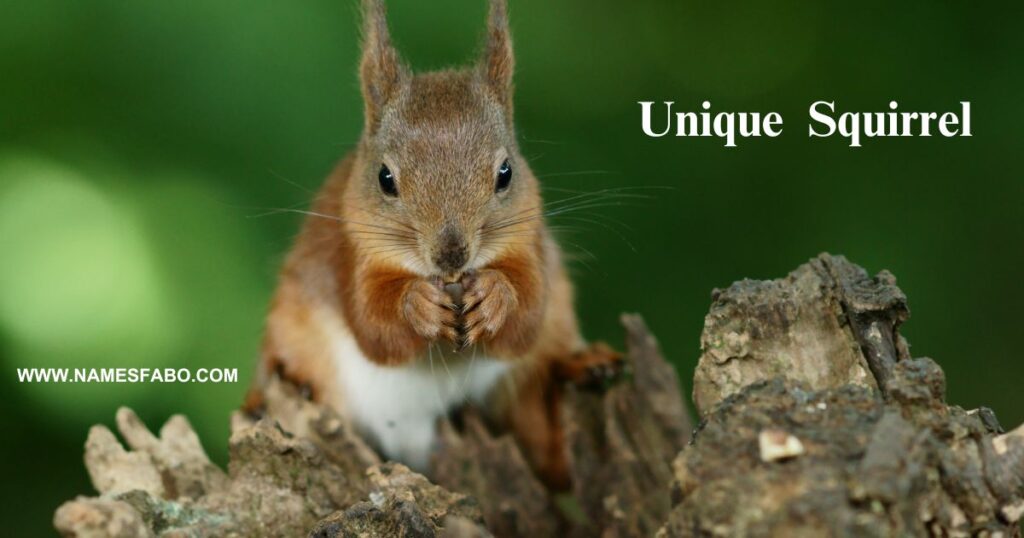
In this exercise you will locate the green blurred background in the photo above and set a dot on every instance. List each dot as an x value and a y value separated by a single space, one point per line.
140 140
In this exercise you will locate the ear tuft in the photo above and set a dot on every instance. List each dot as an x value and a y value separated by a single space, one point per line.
380 70
498 62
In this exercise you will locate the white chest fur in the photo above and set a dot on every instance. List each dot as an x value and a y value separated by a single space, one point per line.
396 408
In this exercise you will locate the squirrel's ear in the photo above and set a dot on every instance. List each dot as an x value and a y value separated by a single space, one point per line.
498 60
380 70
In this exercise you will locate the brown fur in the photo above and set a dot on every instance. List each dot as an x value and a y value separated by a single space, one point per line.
363 261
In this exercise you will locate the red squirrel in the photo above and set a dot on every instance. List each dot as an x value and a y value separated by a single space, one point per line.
424 276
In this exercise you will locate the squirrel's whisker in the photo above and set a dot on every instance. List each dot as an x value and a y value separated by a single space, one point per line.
325 216
576 173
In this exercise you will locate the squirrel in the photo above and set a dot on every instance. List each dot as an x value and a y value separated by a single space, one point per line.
424 276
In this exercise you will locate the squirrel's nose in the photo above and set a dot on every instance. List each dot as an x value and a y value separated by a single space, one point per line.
452 252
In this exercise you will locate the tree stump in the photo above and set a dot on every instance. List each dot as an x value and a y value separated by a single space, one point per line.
815 421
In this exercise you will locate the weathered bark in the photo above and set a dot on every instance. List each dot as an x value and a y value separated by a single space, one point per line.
816 421
861 443
622 443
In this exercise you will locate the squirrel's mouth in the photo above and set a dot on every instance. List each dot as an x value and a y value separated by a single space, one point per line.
451 267
452 261
452 252
450 275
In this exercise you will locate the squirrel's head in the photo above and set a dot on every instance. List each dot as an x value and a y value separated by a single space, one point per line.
440 186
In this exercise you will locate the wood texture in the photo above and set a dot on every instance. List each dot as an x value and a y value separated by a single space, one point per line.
814 421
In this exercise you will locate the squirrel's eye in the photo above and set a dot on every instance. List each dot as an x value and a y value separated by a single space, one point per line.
387 181
504 176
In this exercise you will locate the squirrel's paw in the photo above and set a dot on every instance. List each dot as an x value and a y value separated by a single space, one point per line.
430 311
488 300
593 367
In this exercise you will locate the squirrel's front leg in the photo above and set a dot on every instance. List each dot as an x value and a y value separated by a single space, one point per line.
399 314
502 306
429 310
